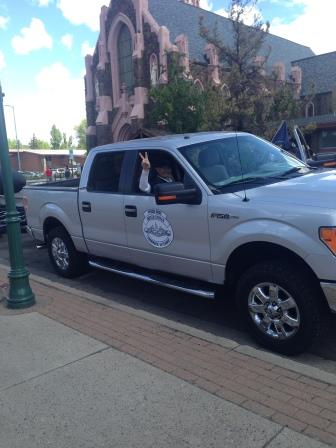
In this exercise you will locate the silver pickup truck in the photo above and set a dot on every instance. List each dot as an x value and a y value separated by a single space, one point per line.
240 213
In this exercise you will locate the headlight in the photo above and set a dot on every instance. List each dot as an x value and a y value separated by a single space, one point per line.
328 237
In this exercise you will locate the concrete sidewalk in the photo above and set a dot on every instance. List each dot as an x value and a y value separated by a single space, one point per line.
75 373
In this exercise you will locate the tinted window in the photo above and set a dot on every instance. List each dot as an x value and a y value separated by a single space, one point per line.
105 172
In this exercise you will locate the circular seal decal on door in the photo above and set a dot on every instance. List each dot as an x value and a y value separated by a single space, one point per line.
157 229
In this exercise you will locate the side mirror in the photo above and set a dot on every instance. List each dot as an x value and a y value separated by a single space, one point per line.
19 181
175 193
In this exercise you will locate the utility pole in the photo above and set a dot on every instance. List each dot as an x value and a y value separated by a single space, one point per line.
20 293
16 137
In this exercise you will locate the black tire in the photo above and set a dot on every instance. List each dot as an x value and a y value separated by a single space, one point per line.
309 312
76 261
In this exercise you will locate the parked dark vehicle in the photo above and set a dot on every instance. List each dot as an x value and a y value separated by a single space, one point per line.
19 181
23 221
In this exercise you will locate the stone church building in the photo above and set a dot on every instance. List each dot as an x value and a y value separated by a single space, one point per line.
132 53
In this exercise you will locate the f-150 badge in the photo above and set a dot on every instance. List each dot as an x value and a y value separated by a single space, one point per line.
157 229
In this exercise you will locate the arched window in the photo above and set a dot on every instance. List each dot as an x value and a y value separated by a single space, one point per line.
199 85
125 61
225 91
154 70
310 109
96 88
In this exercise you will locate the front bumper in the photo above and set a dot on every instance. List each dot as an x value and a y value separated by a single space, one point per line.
329 290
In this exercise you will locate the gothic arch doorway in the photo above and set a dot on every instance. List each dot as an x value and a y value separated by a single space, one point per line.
125 133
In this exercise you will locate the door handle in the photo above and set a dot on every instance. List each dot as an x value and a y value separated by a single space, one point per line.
131 211
86 207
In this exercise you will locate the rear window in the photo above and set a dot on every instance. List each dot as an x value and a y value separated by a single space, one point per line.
105 172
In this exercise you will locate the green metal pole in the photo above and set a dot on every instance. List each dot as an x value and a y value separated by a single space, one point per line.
20 293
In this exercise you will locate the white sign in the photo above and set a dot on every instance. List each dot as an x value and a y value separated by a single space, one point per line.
157 229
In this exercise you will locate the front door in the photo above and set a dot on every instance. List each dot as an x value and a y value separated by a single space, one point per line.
101 208
172 238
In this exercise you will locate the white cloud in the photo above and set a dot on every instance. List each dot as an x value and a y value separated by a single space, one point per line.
57 98
32 38
206 4
67 41
248 17
43 2
315 27
86 49
81 12
2 60
3 22
222 12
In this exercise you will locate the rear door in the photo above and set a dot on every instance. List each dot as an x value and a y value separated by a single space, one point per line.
101 207
172 238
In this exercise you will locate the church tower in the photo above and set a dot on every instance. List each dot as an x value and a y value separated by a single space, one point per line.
192 2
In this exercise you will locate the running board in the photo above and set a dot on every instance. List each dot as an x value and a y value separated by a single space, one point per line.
156 279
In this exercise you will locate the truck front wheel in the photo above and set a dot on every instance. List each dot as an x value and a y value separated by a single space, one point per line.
282 306
66 260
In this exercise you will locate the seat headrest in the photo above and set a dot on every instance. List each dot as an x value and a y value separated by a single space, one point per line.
208 157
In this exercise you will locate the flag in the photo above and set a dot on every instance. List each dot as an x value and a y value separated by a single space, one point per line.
281 137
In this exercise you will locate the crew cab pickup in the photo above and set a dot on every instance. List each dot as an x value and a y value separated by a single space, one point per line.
238 212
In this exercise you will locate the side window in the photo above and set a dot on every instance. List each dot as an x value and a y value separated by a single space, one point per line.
105 172
163 166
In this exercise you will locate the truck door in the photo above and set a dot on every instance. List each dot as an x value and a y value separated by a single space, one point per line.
172 238
101 207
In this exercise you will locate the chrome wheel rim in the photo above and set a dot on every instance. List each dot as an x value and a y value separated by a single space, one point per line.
60 253
274 311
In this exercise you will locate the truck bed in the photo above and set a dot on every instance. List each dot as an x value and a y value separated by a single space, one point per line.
65 185
54 200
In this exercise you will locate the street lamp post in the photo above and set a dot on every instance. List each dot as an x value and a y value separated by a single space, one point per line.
20 293
16 137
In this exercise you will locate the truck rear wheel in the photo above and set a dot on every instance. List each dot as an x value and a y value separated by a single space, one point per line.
66 260
282 306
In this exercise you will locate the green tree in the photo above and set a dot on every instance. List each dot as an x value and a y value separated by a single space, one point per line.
245 79
56 138
64 143
33 144
81 134
215 105
41 144
12 144
178 105
284 106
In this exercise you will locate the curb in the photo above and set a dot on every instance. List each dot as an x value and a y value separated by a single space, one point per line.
278 360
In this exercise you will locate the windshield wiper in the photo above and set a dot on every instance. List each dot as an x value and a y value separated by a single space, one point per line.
292 171
246 180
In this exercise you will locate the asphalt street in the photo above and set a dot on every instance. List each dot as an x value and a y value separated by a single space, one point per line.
219 317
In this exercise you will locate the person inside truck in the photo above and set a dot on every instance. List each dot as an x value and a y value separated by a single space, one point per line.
162 173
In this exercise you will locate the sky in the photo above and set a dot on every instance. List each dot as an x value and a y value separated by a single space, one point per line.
43 44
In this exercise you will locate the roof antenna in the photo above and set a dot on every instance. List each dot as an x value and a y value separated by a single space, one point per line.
246 199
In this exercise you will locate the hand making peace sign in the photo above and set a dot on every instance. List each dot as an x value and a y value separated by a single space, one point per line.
145 161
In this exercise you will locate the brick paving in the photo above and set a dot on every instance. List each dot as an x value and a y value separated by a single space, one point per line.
286 397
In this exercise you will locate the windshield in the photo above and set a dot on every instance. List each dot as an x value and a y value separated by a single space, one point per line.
240 159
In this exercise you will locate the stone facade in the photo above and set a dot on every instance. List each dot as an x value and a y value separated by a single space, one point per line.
116 111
